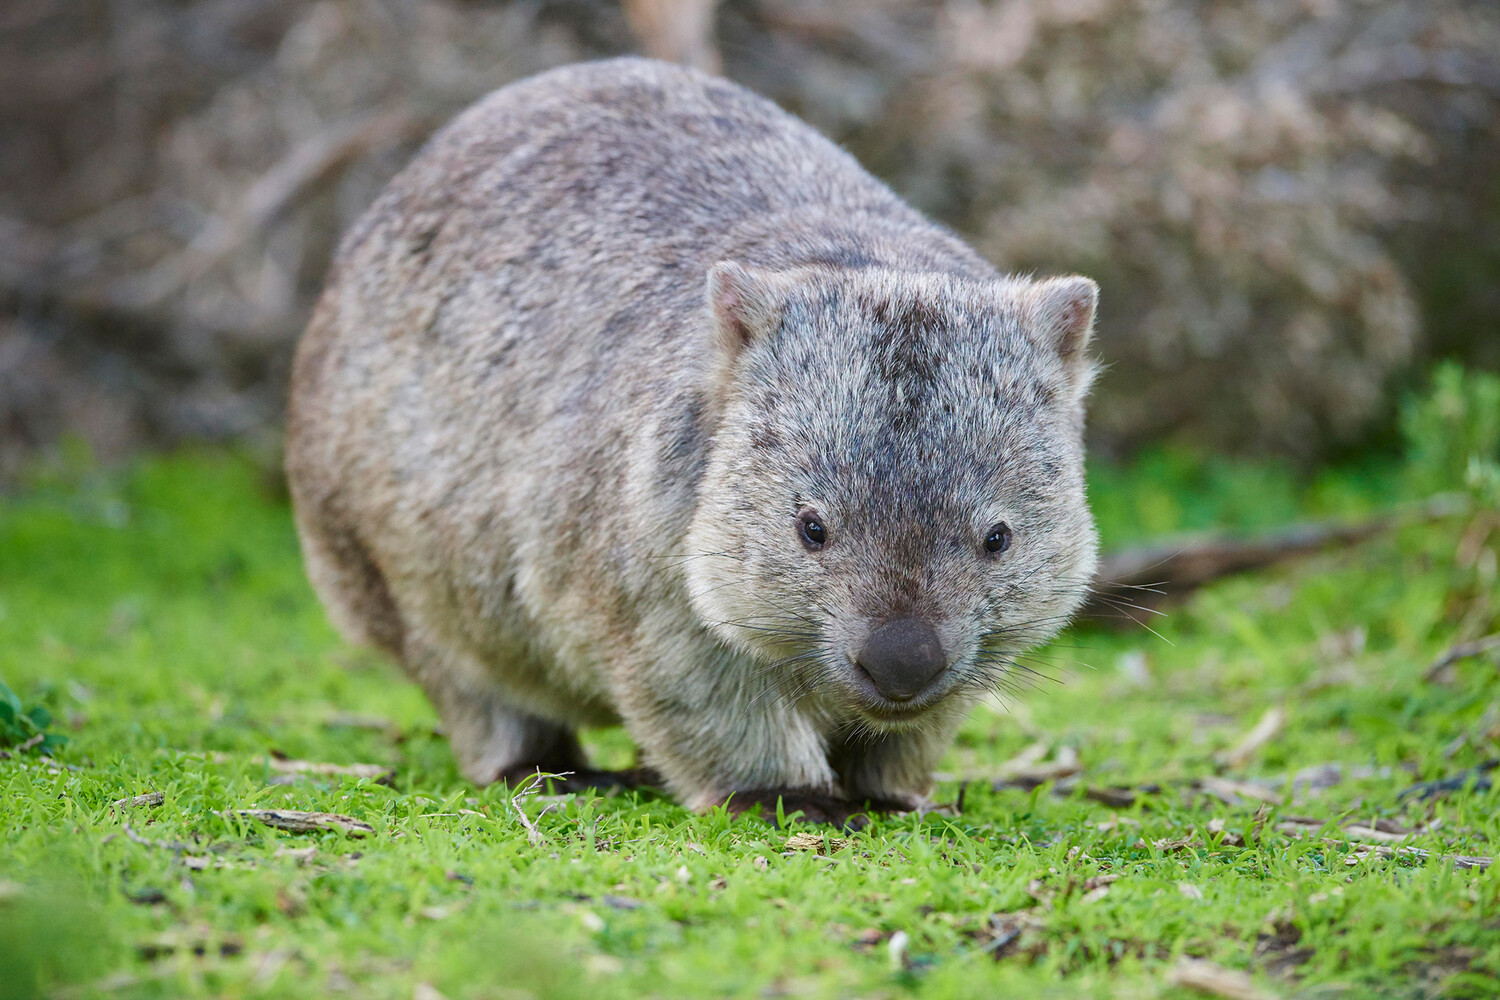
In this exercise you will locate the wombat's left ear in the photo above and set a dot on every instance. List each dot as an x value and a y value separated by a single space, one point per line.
1062 313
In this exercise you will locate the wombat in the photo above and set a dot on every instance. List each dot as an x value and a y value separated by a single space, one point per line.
633 399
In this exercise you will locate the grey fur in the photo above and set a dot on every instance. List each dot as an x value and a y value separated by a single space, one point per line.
578 370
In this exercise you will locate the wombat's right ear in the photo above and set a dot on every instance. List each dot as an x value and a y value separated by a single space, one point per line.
745 303
1063 311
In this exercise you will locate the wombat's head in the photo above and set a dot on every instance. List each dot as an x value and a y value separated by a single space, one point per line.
894 502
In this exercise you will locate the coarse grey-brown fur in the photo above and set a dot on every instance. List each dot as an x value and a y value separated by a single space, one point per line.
579 371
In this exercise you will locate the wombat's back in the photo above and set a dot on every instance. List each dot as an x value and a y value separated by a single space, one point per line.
496 414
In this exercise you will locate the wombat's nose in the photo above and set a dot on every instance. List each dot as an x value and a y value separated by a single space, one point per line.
902 657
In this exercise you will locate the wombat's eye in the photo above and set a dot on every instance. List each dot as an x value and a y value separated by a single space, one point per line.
811 529
998 540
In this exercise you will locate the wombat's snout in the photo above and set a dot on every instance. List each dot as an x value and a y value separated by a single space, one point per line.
902 657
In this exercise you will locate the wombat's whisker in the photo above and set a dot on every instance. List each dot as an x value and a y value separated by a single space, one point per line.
770 631
778 692
1124 611
1014 669
1121 603
1052 662
1150 588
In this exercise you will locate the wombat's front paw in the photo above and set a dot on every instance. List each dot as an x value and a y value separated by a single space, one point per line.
815 806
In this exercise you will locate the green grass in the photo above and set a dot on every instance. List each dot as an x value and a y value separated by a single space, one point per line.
162 619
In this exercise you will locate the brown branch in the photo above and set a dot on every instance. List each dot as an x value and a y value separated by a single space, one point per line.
1461 651
1142 577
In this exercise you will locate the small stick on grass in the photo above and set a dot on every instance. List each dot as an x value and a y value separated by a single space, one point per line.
1461 651
149 800
1137 579
298 821
530 788
134 837
1270 724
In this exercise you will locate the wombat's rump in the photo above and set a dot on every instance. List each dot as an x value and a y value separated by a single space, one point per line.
634 399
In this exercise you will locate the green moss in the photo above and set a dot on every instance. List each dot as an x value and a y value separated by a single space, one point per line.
162 619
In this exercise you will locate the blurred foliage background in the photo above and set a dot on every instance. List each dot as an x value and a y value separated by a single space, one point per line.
1293 206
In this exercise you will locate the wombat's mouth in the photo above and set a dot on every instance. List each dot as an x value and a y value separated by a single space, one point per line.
877 707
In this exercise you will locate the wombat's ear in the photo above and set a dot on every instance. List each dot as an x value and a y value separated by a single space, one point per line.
745 303
1062 311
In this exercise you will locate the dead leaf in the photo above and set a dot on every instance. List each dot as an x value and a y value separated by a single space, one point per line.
816 843
1115 798
200 944
294 821
603 965
897 950
1028 769
1231 792
1297 827
1360 832
1440 671
621 902
268 964
1264 731
1115 822
151 799
1024 760
1098 882
1215 980
1012 933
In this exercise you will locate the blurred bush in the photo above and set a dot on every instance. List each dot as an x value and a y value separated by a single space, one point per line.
1290 204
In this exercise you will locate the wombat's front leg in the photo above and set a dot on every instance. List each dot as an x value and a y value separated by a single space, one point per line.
724 737
720 736
493 740
894 768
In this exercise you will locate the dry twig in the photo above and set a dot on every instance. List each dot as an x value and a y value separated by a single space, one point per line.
1029 768
1231 792
1266 730
1143 576
296 821
1461 651
532 786
135 802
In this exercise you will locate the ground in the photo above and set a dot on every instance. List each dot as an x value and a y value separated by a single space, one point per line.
160 618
